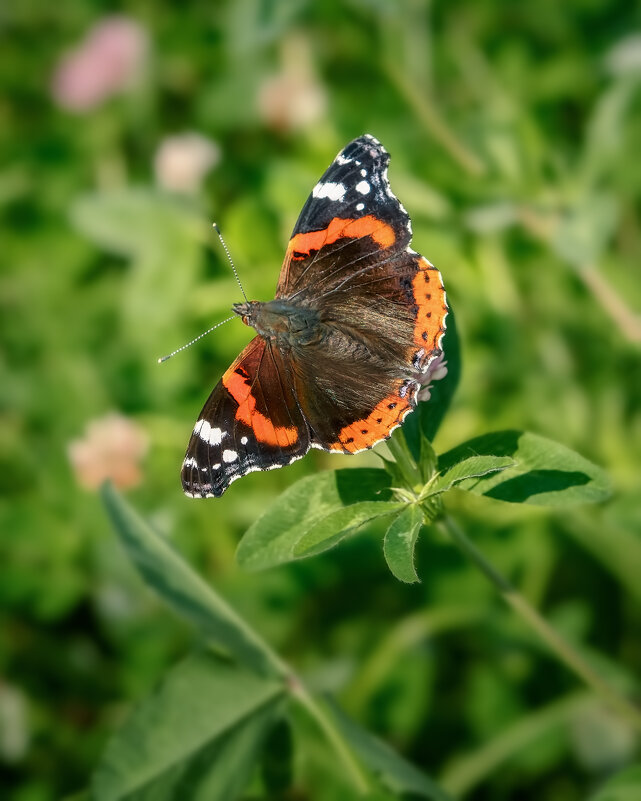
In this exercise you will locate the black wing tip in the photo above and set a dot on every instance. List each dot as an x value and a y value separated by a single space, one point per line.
369 140
366 145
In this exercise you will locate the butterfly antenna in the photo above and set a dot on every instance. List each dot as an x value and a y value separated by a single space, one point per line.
200 336
226 249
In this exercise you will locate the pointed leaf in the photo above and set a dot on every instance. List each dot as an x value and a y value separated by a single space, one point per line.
545 474
332 528
394 772
399 543
184 590
133 220
196 737
474 467
271 539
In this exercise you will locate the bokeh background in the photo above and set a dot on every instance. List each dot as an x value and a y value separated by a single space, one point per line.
125 129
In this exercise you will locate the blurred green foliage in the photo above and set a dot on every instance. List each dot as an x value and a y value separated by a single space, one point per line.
514 131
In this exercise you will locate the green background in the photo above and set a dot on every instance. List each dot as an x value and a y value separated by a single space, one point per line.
515 134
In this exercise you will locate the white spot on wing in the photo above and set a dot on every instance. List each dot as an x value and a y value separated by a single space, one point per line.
190 462
363 173
213 436
360 206
243 440
229 456
363 187
331 191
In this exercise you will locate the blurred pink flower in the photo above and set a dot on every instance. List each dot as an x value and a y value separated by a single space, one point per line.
182 161
109 60
293 98
112 448
435 372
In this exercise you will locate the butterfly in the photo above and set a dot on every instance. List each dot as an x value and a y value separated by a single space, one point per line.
340 353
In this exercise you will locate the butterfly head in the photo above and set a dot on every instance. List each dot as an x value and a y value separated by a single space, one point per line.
246 310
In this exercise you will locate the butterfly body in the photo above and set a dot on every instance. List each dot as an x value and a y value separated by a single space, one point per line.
285 324
341 351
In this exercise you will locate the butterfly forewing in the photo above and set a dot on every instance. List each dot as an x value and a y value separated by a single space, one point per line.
251 421
350 220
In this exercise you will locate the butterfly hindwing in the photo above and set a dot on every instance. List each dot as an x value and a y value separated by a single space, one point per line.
383 331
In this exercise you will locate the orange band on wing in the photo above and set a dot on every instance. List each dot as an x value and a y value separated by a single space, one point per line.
264 430
376 426
429 296
382 233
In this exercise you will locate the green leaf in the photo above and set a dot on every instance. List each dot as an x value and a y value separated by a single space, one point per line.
429 414
399 543
474 467
132 220
625 786
545 474
184 590
272 538
196 737
155 232
335 526
393 771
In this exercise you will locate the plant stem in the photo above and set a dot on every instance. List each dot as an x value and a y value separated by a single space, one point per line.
555 642
191 597
325 723
467 771
391 650
434 123
401 453
544 227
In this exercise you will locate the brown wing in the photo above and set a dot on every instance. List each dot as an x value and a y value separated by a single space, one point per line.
381 331
251 421
381 306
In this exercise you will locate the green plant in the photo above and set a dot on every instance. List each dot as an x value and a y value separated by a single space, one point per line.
234 703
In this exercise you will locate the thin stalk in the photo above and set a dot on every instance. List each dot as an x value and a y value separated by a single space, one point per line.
565 652
468 771
434 123
544 227
316 710
401 453
423 625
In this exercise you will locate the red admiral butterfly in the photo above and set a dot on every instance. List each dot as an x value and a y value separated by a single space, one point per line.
340 353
